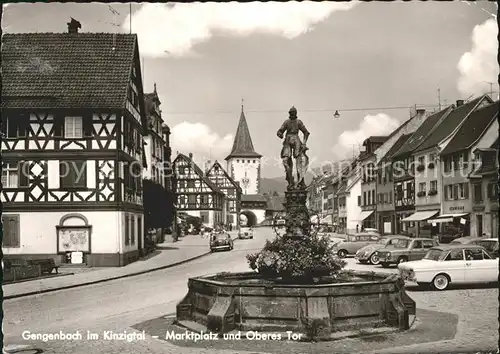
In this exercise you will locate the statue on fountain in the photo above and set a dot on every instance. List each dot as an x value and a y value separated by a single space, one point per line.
294 147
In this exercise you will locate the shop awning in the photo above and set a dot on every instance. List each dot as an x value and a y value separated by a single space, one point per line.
446 218
421 215
327 220
365 214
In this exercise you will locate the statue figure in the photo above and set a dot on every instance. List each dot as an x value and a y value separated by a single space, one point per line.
294 147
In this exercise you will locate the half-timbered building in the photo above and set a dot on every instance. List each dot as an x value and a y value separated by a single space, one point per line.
196 194
158 194
232 190
73 123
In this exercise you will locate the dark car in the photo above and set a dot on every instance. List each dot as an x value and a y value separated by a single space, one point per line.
221 241
354 242
412 249
368 254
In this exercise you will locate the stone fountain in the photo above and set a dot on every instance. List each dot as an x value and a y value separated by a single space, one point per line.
298 284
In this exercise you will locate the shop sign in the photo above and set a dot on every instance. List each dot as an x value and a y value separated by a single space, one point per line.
457 208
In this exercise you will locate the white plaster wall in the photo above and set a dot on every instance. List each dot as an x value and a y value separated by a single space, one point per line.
352 208
426 176
237 168
39 235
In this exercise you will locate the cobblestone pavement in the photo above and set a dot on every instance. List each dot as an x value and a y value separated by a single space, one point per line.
119 304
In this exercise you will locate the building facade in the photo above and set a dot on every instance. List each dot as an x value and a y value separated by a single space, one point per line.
196 195
243 166
349 196
220 178
455 196
72 186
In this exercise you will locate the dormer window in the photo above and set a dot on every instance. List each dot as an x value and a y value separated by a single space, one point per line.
73 127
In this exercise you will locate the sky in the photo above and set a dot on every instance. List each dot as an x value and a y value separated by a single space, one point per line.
370 61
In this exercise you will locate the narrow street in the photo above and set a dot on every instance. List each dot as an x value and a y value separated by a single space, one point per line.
118 305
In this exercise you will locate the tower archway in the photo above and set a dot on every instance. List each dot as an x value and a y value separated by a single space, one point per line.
249 218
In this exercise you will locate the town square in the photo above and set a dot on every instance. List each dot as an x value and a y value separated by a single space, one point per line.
250 177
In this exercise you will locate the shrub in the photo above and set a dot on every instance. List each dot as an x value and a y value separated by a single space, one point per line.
421 194
430 165
297 259
433 192
420 168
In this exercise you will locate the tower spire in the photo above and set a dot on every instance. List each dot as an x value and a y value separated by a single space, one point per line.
242 102
242 145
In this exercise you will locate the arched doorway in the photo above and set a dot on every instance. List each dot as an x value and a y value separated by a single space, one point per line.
247 219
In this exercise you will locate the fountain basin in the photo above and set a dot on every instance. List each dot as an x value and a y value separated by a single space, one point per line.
226 302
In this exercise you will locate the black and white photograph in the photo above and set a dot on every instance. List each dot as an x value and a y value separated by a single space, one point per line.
249 177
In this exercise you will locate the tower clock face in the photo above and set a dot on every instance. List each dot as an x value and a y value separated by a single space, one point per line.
245 181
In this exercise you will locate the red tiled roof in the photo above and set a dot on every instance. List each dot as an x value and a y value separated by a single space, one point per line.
243 146
449 123
66 70
421 133
472 129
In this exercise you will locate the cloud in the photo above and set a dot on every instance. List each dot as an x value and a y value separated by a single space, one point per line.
480 63
201 141
379 124
166 29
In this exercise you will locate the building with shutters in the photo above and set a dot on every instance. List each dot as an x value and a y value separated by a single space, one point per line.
73 123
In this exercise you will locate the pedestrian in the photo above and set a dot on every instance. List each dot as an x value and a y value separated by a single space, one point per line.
357 228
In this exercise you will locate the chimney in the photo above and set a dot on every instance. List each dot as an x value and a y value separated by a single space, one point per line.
73 26
460 103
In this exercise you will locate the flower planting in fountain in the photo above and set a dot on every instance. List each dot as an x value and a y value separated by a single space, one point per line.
297 259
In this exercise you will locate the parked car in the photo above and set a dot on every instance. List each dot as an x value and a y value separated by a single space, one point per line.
451 264
465 240
353 243
368 254
490 245
411 249
245 232
333 237
221 241
372 231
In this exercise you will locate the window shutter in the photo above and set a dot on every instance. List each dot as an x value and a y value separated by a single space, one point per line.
455 191
23 174
466 190
87 124
446 192
65 174
58 125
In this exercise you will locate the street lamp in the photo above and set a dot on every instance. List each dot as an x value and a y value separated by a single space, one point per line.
336 115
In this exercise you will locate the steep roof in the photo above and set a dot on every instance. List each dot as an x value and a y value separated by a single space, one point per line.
397 145
242 145
472 129
449 123
199 172
421 133
233 182
67 70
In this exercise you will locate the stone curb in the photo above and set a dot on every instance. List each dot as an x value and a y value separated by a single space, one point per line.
106 279
109 279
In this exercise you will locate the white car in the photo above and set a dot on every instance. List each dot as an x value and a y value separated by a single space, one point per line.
451 264
245 232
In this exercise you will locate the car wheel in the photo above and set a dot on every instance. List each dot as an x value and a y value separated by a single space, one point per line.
441 282
374 259
342 253
402 259
384 265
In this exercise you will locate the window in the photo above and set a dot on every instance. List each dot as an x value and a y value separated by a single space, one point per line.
127 230
369 198
478 192
475 254
455 162
14 126
421 160
493 191
461 190
390 197
432 157
73 174
204 216
10 175
427 244
139 228
455 255
422 187
191 200
434 185
73 127
364 198
448 192
132 229
373 197
417 244
11 232
237 160
486 255
253 161
190 183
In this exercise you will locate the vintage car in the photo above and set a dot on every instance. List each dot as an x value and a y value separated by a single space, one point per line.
411 249
465 240
368 253
490 244
245 232
451 264
353 243
371 231
221 241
